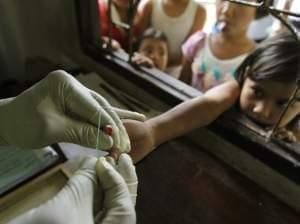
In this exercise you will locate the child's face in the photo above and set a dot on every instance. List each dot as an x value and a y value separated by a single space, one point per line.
156 50
264 101
236 17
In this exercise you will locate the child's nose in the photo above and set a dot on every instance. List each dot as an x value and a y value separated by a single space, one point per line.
154 56
263 110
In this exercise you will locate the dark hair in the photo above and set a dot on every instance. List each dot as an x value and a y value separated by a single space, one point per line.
150 33
276 58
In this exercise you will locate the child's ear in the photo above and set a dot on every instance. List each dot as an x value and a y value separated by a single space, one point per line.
246 74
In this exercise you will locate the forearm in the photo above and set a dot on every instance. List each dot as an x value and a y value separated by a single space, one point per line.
199 20
143 14
180 120
194 113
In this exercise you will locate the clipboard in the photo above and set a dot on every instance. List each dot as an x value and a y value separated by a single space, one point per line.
36 186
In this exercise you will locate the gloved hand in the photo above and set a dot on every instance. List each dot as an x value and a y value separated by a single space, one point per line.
96 180
60 109
117 205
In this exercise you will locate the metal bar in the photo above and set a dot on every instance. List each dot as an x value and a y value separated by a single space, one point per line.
131 14
276 126
110 25
246 3
286 23
272 8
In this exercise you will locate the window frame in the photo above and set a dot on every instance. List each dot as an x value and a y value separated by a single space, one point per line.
279 155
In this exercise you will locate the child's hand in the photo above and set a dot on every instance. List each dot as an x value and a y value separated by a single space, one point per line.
141 138
142 60
286 135
115 45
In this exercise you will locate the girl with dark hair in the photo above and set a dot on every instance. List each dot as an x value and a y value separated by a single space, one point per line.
152 49
266 80
268 77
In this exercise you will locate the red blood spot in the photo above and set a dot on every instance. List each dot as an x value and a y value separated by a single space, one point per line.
108 130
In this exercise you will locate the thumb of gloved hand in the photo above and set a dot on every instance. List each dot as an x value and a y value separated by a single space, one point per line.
117 204
126 169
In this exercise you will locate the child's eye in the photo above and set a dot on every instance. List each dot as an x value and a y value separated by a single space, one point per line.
258 93
282 103
148 51
161 53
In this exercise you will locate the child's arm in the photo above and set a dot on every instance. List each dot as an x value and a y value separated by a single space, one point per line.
189 50
115 45
143 15
183 118
194 113
186 72
199 20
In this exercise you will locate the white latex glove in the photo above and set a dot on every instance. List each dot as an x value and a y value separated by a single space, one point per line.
60 109
74 203
116 202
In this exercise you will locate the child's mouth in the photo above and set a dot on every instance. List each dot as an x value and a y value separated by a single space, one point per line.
261 123
222 25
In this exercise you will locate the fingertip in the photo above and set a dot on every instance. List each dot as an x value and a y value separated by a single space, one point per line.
107 175
108 129
111 160
124 157
126 166
124 146
102 165
136 116
140 117
125 162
